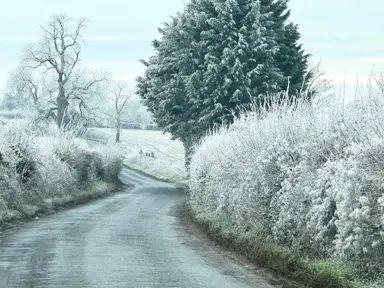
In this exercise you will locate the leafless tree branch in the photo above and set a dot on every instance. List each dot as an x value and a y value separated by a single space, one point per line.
57 56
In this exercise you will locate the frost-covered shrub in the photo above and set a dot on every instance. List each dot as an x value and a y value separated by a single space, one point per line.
17 162
311 176
56 176
11 195
109 162
358 184
35 166
84 164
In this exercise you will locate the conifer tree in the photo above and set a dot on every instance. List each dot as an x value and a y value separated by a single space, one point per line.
215 56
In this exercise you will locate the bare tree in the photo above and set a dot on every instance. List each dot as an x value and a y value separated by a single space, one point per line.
119 95
23 86
58 56
318 83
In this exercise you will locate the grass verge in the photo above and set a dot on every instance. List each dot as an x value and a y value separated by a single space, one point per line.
330 273
99 189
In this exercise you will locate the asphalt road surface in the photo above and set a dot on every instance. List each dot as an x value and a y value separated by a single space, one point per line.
131 239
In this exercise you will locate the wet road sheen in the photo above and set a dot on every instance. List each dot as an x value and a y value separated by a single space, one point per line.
131 239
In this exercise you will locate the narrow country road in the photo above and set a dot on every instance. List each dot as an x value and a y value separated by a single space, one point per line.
131 239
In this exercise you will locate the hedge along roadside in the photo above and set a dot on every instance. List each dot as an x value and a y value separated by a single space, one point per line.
306 177
41 174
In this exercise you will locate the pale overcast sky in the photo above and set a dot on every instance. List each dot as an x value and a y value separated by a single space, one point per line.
346 34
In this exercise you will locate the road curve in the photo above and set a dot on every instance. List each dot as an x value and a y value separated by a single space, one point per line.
131 239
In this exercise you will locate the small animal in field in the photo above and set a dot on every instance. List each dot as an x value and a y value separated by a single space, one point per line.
150 154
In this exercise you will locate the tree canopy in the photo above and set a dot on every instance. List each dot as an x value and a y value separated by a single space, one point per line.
218 55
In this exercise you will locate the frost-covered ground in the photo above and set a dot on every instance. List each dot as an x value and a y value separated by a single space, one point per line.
10 114
168 163
7 116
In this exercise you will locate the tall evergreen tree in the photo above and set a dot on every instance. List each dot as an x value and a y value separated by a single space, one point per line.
215 56
291 58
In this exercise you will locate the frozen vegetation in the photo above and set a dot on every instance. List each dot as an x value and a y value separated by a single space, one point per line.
309 177
41 170
167 162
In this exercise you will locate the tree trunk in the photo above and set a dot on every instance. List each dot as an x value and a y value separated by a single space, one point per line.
62 105
118 130
188 143
60 114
